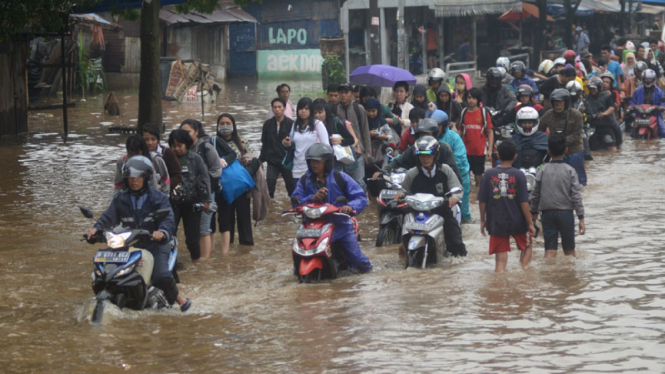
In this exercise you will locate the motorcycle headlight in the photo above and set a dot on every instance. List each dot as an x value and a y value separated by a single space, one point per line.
314 212
116 241
423 205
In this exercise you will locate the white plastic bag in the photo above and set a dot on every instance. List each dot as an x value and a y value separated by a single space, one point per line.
344 154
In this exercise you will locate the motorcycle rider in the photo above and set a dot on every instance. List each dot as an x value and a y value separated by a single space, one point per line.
518 71
531 143
451 138
429 176
503 63
632 83
652 95
496 95
564 119
435 79
409 159
560 80
599 109
137 200
322 184
524 99
577 102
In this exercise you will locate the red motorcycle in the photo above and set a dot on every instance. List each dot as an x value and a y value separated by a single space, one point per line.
645 123
314 256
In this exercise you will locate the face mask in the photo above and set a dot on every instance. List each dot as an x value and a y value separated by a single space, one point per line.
225 130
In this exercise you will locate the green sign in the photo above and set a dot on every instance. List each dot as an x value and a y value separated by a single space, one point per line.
301 63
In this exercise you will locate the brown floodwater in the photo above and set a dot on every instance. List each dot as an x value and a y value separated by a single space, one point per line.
601 312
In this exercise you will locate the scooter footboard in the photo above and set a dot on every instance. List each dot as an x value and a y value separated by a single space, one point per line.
148 263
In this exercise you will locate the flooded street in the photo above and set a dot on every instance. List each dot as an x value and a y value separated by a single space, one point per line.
602 312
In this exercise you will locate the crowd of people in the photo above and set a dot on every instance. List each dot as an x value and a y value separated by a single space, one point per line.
441 133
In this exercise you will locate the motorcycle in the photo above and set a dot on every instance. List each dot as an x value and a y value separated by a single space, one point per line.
314 256
602 135
645 122
422 233
390 211
122 273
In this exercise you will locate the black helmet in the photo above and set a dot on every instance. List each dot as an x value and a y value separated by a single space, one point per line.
561 94
596 83
517 66
320 152
138 167
494 73
524 90
428 125
427 145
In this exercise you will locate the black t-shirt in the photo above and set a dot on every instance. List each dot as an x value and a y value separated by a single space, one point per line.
549 86
504 190
595 105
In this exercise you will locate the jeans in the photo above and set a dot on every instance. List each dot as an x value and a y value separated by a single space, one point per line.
357 171
191 222
206 217
271 178
345 235
618 134
576 160
466 183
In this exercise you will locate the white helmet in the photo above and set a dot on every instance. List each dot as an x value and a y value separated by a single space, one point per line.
575 89
527 114
559 61
545 66
436 74
648 78
503 62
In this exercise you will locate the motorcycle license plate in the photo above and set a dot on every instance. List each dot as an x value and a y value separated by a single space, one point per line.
388 194
308 233
416 226
643 122
119 257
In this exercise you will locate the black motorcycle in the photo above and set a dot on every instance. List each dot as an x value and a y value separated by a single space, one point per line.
122 272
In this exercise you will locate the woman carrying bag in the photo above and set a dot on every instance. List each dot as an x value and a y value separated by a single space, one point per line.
234 200
306 131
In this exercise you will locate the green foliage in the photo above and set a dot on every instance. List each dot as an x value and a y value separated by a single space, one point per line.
88 73
335 69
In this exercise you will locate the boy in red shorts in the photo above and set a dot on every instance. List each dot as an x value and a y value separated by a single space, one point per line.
504 208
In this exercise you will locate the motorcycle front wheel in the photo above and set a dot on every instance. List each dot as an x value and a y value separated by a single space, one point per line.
98 313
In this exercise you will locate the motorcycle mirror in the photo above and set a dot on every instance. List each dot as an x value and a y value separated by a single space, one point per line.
87 213
341 200
295 200
454 191
159 215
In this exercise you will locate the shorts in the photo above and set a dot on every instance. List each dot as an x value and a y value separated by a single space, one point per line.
555 222
501 244
432 53
476 164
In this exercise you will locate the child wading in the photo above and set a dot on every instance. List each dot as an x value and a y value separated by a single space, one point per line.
556 194
476 128
504 208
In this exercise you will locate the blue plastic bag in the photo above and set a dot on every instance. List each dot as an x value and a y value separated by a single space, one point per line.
235 181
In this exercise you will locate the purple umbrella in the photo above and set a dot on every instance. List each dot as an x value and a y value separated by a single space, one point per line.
381 76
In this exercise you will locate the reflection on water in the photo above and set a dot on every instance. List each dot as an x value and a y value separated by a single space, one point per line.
602 312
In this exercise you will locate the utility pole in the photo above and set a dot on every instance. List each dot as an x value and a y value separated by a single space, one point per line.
401 36
570 13
374 32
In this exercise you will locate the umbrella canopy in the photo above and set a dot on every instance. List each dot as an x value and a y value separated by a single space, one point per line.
528 10
381 76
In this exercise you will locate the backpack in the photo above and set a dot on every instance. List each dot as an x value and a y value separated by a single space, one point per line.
189 190
338 179
483 112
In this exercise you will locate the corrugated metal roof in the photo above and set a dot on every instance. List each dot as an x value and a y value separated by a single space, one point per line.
228 15
453 8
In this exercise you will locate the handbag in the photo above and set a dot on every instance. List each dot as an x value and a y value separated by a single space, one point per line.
344 154
287 161
235 181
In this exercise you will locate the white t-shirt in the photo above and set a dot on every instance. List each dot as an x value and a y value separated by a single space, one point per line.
304 140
